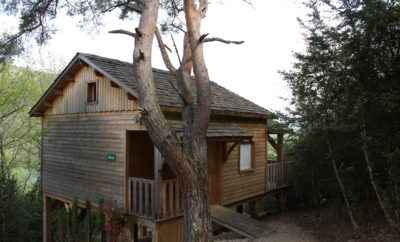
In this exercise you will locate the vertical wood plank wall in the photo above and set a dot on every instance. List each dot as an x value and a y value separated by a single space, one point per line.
77 137
74 97
169 231
237 186
74 155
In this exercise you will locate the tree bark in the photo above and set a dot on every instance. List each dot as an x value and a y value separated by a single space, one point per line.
157 126
2 157
342 188
382 205
197 216
187 159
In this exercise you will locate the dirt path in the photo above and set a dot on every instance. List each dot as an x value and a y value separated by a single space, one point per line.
319 225
285 230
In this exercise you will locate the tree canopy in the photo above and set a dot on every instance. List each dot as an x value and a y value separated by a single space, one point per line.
346 92
20 196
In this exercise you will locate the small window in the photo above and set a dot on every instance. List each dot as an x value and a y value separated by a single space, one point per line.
92 92
246 157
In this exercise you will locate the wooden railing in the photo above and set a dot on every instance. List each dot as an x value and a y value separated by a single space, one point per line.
149 200
170 199
277 175
141 194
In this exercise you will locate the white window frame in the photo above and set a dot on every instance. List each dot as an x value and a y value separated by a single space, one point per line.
246 157
96 94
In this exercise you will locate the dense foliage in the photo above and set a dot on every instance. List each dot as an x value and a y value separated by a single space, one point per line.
19 134
346 94
75 224
20 212
20 196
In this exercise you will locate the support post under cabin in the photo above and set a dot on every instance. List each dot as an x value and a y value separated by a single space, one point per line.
280 147
45 214
158 162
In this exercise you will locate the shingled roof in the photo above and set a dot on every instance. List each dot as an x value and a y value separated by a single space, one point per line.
223 100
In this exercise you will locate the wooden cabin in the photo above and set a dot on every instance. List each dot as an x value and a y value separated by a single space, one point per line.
95 146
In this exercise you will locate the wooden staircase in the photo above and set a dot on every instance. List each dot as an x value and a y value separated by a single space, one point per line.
238 222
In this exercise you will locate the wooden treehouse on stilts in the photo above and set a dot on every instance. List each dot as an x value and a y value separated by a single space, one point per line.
95 147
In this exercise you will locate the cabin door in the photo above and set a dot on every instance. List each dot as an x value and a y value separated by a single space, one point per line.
140 155
214 153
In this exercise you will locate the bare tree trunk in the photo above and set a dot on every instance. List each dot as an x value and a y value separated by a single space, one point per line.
197 218
342 188
382 205
2 157
196 210
188 160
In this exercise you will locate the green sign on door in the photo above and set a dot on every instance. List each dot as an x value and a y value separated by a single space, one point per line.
111 156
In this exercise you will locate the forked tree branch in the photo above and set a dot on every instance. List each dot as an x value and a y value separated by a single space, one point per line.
203 39
194 13
159 130
181 90
186 67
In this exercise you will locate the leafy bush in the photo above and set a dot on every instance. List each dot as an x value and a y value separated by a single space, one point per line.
75 224
20 213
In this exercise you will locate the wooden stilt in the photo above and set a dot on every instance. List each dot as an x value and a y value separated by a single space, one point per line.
280 148
44 232
46 213
252 209
155 233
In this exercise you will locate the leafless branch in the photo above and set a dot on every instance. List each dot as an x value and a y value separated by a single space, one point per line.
176 49
204 39
137 6
249 2
164 54
122 31
178 27
4 116
217 39
167 61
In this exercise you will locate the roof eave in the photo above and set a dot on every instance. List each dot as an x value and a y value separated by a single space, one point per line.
36 112
262 116
104 73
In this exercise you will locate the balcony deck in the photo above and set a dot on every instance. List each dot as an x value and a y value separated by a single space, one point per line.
162 200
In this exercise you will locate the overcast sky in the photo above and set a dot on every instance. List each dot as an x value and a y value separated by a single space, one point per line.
269 28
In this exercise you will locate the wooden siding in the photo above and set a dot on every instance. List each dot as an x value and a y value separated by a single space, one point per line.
168 231
74 155
74 96
237 185
75 166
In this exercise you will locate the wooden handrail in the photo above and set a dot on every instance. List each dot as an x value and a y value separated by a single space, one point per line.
142 198
277 175
170 199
